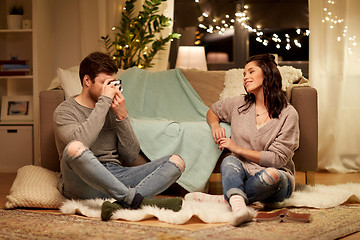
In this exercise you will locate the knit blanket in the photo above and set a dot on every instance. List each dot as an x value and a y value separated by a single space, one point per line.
168 118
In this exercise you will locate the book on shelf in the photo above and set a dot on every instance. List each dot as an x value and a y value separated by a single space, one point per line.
4 67
14 73
283 215
14 67
23 62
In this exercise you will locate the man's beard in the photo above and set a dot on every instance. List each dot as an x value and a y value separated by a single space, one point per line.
94 96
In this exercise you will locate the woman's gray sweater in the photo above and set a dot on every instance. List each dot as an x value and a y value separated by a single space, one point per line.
276 140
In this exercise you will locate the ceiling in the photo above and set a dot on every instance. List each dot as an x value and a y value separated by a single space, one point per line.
273 14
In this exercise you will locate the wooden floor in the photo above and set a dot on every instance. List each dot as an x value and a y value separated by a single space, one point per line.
6 180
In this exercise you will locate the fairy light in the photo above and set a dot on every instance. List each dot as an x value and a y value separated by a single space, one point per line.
337 22
202 26
288 38
220 26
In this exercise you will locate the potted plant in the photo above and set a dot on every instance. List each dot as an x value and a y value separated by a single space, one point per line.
138 37
15 17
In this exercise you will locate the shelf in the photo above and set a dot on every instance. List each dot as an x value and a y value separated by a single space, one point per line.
15 30
17 77
16 123
25 43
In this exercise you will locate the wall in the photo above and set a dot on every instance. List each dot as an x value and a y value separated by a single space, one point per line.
66 29
72 32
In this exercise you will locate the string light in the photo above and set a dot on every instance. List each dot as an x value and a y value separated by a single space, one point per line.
334 22
219 26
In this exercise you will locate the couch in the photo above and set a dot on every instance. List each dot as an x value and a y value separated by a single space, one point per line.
208 85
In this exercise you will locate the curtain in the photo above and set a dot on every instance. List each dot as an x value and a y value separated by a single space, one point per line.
334 71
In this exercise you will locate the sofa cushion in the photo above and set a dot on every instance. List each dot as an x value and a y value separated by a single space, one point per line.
208 84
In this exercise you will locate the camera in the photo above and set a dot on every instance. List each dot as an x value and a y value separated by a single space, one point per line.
117 83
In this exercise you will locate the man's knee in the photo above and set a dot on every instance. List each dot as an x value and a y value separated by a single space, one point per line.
178 161
75 148
271 176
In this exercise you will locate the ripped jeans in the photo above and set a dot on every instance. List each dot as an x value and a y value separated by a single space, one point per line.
84 177
260 187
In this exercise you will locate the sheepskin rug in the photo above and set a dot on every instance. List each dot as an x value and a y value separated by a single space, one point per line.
322 196
208 212
318 196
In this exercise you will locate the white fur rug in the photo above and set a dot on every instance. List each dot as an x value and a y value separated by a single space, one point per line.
318 196
208 212
322 196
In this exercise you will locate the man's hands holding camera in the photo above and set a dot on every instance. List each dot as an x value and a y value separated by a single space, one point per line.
108 89
111 88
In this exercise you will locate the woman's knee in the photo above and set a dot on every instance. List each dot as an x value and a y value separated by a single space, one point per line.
75 149
231 162
271 176
178 161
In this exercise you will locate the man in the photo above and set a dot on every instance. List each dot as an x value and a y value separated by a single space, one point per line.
95 139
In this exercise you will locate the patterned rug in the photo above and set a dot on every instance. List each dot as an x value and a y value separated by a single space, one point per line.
326 224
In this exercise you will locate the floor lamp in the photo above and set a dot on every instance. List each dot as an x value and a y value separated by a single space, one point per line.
191 57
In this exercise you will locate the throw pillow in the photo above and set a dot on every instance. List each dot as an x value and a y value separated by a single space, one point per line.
234 80
233 84
54 84
70 80
35 187
289 76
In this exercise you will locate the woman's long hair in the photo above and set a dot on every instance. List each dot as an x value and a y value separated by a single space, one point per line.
274 97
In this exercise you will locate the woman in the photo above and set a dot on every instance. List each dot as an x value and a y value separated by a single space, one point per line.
264 136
